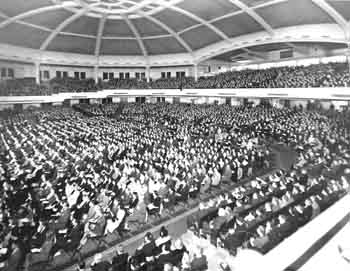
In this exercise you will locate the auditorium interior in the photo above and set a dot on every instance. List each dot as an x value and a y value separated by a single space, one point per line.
175 135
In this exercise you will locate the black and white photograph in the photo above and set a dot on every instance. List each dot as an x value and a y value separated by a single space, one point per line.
174 135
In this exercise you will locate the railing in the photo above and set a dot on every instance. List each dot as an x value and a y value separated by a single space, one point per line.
341 93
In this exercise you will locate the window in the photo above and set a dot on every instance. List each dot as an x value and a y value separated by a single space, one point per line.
163 75
180 74
121 75
168 74
10 73
76 75
83 75
3 72
137 75
105 76
127 75
46 75
143 75
65 74
58 74
111 75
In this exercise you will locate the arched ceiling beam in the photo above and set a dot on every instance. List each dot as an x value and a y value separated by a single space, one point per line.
252 13
318 33
61 26
234 13
101 26
172 32
335 15
196 18
34 12
169 30
137 35
166 28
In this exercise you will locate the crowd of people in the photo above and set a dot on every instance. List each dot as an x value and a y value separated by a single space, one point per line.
158 254
68 177
319 75
263 212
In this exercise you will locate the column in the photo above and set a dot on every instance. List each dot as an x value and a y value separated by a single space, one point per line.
148 73
348 56
37 72
195 70
96 74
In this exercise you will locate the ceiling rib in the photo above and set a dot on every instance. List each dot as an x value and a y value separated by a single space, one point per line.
196 18
168 29
252 13
229 15
44 28
101 26
32 13
172 32
335 15
137 35
61 26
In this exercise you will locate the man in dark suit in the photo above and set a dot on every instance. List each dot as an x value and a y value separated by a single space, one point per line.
199 262
99 264
120 260
284 227
234 237
165 256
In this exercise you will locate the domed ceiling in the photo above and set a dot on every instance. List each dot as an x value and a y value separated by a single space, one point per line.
153 27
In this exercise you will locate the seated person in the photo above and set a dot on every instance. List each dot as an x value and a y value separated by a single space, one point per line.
100 265
199 261
120 260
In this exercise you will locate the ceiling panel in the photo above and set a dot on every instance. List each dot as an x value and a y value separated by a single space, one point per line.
120 47
83 25
49 19
175 20
117 28
296 12
72 44
163 46
15 7
208 9
342 6
238 25
200 37
147 28
21 35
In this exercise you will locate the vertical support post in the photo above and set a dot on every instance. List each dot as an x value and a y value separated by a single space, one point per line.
96 74
195 72
37 72
148 73
348 56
